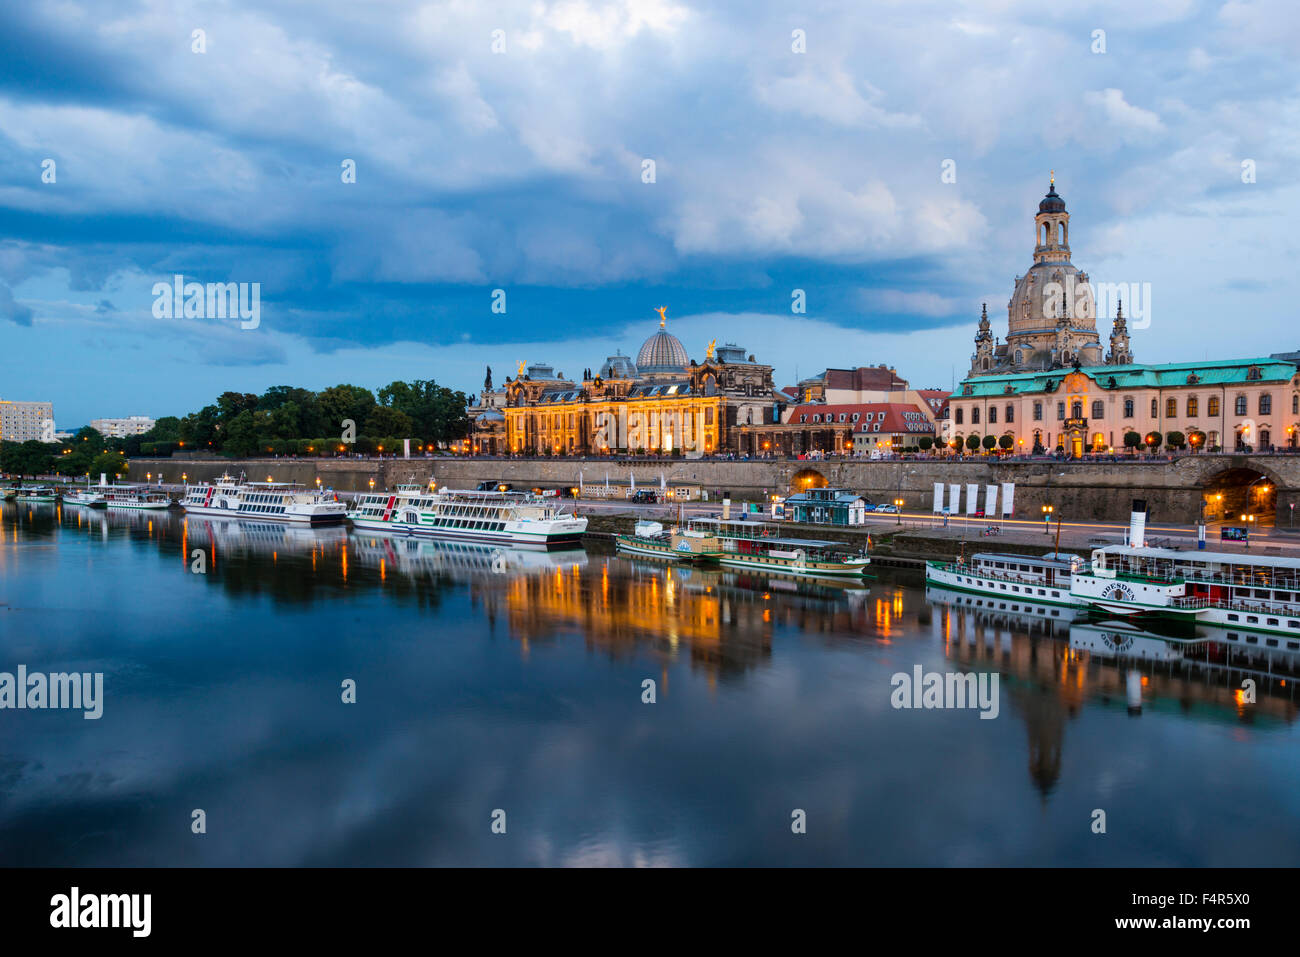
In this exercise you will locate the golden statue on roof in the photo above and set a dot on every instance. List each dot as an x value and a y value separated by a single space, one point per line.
663 315
520 371
708 353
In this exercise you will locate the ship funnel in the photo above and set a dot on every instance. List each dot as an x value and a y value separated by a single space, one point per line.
103 479
1137 527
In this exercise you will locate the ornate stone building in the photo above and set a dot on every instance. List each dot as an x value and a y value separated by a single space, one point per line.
1051 316
663 402
1047 388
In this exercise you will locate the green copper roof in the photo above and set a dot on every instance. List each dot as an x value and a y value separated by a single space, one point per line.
1209 372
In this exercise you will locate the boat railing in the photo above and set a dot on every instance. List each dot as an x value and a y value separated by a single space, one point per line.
1188 601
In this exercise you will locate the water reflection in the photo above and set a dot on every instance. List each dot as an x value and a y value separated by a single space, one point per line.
491 677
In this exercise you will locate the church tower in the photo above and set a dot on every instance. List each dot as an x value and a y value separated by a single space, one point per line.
983 358
1121 354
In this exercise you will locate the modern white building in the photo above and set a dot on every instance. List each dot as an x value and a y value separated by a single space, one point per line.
121 428
23 421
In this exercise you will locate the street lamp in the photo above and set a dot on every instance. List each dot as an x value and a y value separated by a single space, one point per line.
1047 519
898 505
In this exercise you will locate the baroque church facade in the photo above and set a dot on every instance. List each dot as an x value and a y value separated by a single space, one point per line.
1051 316
1049 387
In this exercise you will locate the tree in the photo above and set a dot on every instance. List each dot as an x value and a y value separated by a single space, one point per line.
388 421
989 442
166 429
1175 440
434 410
972 442
26 458
1153 440
1132 440
926 443
340 402
1006 442
108 463
1196 438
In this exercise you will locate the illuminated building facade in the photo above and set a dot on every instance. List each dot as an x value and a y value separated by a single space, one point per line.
661 403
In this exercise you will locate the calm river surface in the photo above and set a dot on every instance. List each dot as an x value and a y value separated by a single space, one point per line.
497 680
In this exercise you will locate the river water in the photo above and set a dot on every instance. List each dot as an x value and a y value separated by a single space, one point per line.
500 690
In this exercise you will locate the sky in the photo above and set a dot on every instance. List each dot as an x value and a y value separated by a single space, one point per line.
886 158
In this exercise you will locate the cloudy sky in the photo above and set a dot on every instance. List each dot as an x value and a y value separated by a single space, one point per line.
515 160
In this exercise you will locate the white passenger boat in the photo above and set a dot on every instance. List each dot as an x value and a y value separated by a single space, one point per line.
1041 580
1232 590
506 518
89 497
136 498
266 501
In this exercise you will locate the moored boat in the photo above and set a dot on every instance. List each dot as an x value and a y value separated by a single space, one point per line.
266 501
89 497
745 544
491 517
1234 590
1041 580
136 498
37 493
677 544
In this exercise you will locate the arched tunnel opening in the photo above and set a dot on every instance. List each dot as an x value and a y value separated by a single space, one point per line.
805 479
1240 496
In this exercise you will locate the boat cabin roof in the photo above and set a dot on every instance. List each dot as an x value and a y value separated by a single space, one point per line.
1054 560
803 542
1191 556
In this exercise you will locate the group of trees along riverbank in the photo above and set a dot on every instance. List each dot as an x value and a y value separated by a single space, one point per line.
284 420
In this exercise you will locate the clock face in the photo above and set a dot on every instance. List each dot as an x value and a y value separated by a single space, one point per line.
1118 592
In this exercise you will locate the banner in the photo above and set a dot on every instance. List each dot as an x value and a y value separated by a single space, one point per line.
990 501
954 498
938 496
972 497
1008 496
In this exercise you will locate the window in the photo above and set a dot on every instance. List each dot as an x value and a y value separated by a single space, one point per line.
841 416
975 415
1212 405
1128 408
1038 412
855 416
958 416
1098 410
993 414
1193 407
1011 413
1155 408
1295 405
803 418
1076 409
1240 405
1265 404
1171 408
1060 410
